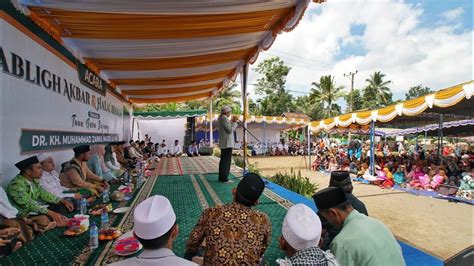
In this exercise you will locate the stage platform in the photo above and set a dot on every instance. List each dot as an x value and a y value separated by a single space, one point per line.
191 185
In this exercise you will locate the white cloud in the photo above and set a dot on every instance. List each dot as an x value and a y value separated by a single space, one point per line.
394 42
453 14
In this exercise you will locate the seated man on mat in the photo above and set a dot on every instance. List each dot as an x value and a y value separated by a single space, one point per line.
301 238
156 228
193 150
28 197
362 240
235 234
76 174
176 150
49 180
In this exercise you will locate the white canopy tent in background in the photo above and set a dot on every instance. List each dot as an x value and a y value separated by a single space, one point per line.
163 125
168 129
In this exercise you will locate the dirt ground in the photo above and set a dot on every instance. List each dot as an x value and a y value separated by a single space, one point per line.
435 226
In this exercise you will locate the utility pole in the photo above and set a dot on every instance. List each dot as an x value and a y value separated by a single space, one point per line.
350 75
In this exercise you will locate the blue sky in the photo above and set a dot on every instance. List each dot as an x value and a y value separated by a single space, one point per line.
413 42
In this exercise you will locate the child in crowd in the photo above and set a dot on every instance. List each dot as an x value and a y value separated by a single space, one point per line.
399 175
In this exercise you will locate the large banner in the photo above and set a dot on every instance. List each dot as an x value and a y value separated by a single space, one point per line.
50 104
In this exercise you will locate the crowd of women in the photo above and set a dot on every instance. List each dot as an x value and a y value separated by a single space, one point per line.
408 166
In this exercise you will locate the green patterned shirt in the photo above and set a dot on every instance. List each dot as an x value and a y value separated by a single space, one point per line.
28 196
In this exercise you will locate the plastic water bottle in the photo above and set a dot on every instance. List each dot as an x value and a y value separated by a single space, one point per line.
104 218
83 206
93 236
139 181
126 177
105 196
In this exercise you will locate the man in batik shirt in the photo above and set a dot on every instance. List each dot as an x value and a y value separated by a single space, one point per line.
235 234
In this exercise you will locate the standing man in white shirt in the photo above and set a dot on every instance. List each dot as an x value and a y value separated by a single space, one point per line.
176 150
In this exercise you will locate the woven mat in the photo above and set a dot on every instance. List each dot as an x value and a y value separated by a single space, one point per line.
191 194
170 166
205 165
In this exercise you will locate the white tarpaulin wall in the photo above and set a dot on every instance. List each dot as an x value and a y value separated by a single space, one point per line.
269 135
35 118
163 129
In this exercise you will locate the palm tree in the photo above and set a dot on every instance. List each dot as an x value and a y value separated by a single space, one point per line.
377 93
326 93
230 95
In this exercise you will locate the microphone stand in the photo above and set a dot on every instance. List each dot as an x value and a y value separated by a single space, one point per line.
242 126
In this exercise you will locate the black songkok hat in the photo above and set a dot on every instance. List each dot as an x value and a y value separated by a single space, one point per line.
250 188
329 198
339 179
81 149
21 165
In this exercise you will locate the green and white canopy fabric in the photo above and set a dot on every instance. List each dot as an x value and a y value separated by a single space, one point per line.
168 114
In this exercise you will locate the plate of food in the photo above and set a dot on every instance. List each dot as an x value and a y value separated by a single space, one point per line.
126 246
75 230
97 210
109 234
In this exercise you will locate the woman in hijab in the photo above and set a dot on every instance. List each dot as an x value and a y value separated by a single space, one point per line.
97 163
111 161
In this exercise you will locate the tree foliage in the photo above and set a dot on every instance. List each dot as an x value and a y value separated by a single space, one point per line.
327 93
357 100
417 91
377 93
276 99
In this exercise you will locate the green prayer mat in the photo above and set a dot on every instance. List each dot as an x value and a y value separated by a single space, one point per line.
189 195
53 248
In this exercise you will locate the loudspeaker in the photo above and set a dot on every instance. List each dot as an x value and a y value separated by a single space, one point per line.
462 258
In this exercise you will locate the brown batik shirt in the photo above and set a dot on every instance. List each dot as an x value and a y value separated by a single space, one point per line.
234 235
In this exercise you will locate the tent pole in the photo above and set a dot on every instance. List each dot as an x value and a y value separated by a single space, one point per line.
133 127
309 147
372 148
440 135
211 132
264 144
426 136
244 102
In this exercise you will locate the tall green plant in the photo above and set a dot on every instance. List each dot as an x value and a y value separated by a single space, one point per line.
295 182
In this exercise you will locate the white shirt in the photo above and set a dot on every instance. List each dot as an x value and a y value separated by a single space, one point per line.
162 150
176 149
132 151
162 256
50 182
6 208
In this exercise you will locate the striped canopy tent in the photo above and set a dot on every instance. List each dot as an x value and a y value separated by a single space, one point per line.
281 123
168 114
450 104
454 103
166 51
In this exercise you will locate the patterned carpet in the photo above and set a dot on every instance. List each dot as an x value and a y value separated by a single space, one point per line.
188 165
53 248
191 194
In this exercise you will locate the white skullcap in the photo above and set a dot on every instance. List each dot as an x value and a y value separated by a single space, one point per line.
43 156
301 227
225 109
153 217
